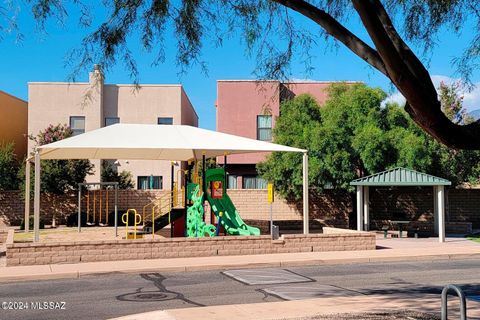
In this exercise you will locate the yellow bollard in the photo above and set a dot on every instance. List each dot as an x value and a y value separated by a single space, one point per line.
136 221
125 221
135 224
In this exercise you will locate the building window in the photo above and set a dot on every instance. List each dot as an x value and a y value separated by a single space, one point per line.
77 124
232 182
165 121
111 120
264 128
149 182
254 182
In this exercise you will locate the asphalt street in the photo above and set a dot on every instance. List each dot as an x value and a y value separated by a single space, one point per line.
113 295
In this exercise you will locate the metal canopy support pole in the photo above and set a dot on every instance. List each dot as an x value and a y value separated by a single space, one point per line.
80 207
435 211
27 196
185 198
172 185
225 169
305 195
359 208
441 213
204 182
366 208
36 199
116 209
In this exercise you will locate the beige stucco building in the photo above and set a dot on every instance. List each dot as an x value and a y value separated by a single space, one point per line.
13 123
94 104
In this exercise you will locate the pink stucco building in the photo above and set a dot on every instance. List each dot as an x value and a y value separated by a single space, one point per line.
249 108
94 104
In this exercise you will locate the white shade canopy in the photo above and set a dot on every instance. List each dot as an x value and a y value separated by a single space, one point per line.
154 142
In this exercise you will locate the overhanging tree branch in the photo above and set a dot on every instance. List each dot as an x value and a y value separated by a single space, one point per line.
336 30
422 102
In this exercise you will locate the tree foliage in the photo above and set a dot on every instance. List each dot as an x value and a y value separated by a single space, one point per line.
9 167
460 166
111 174
352 136
275 36
60 176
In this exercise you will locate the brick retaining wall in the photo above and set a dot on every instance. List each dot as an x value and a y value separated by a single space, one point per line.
327 209
12 204
416 204
463 205
88 251
332 208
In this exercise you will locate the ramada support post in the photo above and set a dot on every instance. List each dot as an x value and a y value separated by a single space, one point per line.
440 194
305 195
366 208
36 199
359 208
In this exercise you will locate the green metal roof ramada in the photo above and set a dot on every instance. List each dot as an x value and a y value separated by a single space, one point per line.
400 177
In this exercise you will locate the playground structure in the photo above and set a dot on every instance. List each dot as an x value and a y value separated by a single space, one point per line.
177 142
184 208
97 203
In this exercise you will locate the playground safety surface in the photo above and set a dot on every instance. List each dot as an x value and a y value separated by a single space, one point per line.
67 234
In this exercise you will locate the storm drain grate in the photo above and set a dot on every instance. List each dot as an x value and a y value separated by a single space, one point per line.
265 276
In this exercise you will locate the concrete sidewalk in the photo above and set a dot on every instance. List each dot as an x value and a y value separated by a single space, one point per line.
389 250
311 307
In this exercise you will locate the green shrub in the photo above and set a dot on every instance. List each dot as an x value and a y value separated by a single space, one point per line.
8 167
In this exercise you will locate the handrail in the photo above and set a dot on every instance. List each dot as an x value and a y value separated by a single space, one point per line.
157 202
463 302
135 222
153 218
154 201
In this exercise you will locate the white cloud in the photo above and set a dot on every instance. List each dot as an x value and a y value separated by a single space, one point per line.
396 97
471 100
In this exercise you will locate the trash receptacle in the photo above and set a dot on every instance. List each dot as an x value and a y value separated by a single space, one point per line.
275 232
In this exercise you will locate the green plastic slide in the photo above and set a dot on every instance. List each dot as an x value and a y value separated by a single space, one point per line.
231 220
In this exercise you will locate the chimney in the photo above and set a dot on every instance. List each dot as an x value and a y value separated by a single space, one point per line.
96 77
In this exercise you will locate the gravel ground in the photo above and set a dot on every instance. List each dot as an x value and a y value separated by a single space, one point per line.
403 315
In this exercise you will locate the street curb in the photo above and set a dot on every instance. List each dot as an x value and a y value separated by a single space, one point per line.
293 263
34 277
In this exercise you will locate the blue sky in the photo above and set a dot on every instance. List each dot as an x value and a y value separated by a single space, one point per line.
41 57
